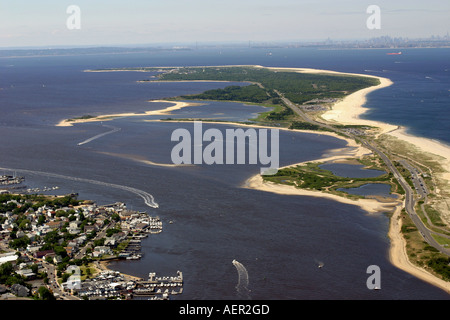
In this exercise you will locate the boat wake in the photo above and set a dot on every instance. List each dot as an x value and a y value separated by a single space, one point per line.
149 200
113 129
320 264
242 285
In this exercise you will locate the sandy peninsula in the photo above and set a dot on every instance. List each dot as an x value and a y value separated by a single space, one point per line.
346 111
369 205
349 110
176 105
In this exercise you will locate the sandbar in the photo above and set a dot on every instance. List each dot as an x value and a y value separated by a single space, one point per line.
348 111
107 117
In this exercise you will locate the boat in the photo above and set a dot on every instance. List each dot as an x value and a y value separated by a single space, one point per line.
394 53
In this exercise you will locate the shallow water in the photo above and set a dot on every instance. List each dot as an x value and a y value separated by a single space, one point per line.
278 239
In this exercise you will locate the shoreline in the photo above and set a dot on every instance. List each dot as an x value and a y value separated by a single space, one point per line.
108 117
399 257
347 111
369 205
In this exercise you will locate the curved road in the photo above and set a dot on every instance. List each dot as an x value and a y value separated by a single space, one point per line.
409 193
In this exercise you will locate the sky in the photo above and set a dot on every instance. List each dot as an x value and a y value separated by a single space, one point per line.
25 23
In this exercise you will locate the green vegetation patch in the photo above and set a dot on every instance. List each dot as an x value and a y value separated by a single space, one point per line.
421 253
297 87
87 116
251 93
303 125
311 176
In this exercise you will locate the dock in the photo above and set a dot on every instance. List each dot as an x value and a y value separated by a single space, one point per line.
156 286
112 284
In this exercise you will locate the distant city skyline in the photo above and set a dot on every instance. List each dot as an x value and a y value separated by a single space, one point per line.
117 22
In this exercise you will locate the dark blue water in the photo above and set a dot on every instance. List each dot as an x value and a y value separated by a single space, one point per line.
279 239
351 170
371 189
215 110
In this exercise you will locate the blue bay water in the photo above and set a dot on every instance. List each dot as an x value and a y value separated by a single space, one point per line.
279 239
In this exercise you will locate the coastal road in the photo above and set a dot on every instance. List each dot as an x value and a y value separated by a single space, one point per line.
101 234
417 179
409 201
421 189
409 193
53 282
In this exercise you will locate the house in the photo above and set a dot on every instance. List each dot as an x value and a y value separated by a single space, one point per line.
80 240
44 254
55 224
74 224
100 251
110 242
27 273
70 251
43 230
90 228
74 230
20 234
8 257
19 290
57 259
73 244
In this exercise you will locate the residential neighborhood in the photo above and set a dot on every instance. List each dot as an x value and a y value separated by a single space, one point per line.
55 247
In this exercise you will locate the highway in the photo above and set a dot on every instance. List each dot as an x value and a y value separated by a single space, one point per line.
409 193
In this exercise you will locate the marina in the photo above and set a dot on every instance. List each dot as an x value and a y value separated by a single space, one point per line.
112 284
160 287
6 180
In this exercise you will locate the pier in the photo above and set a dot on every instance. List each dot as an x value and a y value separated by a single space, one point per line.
112 284
6 180
160 286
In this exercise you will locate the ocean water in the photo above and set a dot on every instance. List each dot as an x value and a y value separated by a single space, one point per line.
351 170
280 240
371 189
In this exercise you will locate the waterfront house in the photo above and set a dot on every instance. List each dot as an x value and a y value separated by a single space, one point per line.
110 242
100 251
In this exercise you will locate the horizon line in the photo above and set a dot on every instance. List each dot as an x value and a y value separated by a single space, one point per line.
197 43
